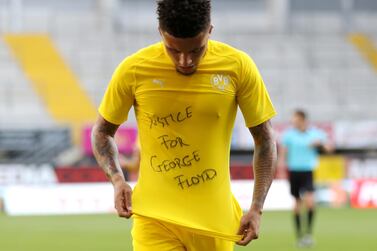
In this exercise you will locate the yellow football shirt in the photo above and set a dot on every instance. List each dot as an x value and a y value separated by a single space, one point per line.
185 125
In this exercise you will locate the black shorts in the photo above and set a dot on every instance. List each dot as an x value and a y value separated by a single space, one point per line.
301 182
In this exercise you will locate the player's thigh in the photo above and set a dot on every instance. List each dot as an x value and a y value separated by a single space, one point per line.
150 235
201 243
294 182
308 188
307 182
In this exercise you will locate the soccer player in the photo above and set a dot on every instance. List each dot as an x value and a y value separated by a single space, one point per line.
131 163
185 91
299 151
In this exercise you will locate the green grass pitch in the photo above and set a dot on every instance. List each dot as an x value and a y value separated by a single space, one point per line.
335 229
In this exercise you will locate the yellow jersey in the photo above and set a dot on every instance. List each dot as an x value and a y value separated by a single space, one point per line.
185 125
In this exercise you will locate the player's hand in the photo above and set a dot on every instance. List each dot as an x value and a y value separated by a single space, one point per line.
122 198
316 144
249 227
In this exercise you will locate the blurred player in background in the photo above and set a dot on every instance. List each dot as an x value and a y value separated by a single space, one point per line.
185 91
298 151
130 164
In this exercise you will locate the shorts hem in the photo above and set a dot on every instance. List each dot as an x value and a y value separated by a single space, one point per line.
205 232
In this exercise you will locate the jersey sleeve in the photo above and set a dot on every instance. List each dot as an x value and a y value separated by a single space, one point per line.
119 96
252 96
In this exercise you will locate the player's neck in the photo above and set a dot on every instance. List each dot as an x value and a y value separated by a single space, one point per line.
303 128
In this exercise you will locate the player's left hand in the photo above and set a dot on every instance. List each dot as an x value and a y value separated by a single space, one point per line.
316 144
249 227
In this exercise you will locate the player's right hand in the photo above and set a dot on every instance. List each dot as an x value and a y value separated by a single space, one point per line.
122 198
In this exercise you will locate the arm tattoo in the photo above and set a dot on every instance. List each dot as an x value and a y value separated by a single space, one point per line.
104 147
264 161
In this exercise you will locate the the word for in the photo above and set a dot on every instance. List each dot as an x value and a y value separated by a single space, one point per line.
167 165
206 175
171 118
172 143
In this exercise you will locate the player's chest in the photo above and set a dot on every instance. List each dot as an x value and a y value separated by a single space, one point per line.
302 140
174 84
208 97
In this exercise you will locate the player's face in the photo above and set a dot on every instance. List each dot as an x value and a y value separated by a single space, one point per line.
298 122
186 53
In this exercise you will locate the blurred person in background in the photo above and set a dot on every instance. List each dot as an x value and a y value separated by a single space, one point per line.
130 164
185 91
299 150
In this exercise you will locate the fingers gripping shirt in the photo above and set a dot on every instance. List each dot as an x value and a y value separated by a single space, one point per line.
185 125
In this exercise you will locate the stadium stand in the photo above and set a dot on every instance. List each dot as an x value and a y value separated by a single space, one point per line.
323 71
303 52
19 104
51 78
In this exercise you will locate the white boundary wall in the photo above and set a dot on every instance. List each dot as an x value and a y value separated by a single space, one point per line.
98 198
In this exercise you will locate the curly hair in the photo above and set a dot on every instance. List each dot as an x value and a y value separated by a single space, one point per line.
184 18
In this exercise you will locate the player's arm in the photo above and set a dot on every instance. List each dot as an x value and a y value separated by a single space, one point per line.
106 153
264 168
323 145
326 147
